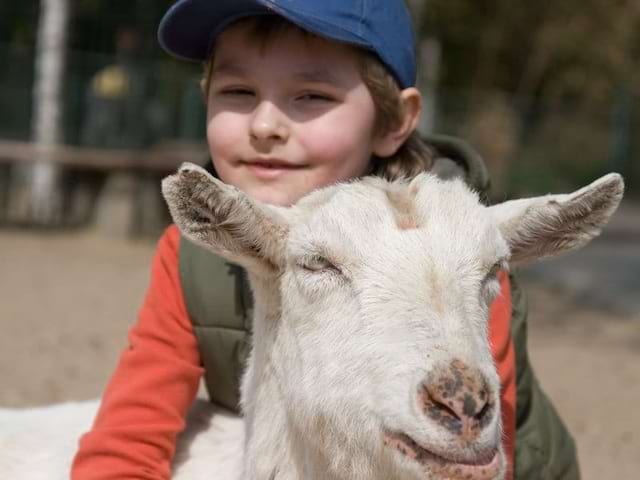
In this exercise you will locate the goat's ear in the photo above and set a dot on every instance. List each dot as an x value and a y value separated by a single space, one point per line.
553 224
225 220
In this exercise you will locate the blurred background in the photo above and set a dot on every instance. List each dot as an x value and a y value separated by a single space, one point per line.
93 114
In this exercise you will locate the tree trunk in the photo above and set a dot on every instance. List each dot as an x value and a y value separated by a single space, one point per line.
38 196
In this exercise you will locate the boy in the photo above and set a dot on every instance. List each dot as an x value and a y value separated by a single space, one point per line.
300 94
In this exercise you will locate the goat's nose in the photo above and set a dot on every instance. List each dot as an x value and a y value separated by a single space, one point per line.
457 397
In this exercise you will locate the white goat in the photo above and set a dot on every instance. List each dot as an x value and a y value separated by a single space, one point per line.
370 356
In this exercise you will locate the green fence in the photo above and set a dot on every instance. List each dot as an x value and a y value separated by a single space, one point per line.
171 101
529 147
532 147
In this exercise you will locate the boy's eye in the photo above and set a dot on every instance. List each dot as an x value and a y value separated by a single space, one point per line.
239 92
314 97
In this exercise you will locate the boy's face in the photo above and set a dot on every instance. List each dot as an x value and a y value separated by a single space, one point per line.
287 117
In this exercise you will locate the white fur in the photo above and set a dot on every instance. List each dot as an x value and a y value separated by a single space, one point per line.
361 290
39 443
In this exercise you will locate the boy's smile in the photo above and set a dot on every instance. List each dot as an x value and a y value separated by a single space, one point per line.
270 168
288 116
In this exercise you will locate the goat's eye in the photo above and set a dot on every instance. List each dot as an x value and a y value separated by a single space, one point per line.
317 263
318 276
491 285
493 273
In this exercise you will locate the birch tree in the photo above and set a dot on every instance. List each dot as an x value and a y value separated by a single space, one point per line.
39 198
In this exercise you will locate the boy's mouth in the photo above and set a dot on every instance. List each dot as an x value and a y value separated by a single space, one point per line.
270 168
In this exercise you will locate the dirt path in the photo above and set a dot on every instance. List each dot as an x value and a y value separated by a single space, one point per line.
67 300
588 361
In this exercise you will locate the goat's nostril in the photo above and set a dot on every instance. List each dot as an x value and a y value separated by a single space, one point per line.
475 405
482 414
444 407
458 398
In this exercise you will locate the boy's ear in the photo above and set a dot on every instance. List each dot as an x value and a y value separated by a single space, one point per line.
390 142
225 220
550 225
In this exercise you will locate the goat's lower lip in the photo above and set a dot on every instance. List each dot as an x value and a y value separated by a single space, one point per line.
486 467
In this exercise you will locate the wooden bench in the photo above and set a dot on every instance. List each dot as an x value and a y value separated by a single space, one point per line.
142 168
163 157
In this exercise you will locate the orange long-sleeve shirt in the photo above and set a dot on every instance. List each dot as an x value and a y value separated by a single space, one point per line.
144 406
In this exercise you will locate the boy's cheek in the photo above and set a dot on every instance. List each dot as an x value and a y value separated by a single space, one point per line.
222 137
338 156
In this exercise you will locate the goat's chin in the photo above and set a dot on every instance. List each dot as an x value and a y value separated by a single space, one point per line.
485 464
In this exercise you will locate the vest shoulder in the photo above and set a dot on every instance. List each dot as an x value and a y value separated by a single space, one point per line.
456 158
216 291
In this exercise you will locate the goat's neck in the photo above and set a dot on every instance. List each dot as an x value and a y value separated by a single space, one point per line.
267 440
274 448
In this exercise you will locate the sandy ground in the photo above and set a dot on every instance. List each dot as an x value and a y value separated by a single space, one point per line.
67 300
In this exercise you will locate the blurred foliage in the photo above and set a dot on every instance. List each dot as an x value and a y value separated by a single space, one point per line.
546 90
94 26
564 78
93 23
574 50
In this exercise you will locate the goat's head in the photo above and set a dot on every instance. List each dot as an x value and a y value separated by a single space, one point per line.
382 353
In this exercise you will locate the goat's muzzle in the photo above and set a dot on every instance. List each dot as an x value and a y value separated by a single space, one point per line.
458 397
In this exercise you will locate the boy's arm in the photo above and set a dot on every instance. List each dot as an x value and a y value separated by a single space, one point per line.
504 355
157 379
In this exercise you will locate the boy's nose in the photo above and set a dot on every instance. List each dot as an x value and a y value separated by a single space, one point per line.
268 123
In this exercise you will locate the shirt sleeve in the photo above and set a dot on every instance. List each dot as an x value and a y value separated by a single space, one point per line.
504 356
157 378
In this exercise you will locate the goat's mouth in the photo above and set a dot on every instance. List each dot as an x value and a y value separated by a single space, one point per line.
485 466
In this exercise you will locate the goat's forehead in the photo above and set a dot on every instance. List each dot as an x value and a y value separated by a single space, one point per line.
373 206
347 203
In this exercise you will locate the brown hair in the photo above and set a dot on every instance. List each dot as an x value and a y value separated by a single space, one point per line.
413 157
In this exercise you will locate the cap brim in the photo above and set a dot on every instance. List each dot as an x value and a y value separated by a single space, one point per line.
189 27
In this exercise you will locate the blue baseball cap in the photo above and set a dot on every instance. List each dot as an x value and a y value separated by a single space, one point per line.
189 28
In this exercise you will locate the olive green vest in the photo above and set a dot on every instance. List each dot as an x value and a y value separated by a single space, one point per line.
219 303
218 299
